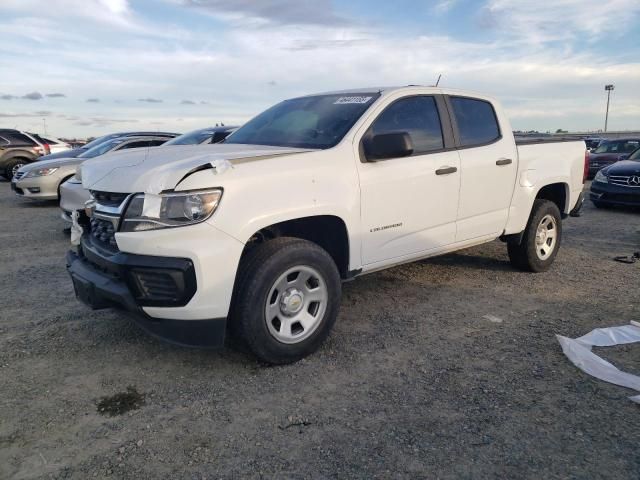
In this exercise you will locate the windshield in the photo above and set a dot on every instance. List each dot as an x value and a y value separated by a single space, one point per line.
308 122
100 140
635 155
191 138
617 146
102 148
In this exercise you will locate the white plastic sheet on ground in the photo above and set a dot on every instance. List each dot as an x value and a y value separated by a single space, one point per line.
76 229
578 350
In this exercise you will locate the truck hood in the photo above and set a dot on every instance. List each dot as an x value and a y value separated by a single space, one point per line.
158 169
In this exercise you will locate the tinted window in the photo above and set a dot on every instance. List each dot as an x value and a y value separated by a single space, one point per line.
3 142
102 148
418 116
318 121
617 146
477 123
192 138
18 139
138 144
635 155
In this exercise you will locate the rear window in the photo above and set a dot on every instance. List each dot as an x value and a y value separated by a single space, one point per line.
476 119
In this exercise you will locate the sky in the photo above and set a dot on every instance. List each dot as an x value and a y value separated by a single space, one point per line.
87 67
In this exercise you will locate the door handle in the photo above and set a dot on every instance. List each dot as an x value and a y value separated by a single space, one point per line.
446 170
503 161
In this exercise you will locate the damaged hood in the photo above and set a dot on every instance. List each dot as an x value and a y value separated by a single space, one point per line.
158 169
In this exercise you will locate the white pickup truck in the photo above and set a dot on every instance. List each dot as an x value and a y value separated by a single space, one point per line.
257 233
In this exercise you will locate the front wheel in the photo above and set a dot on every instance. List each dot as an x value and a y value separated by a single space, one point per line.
12 167
541 239
287 299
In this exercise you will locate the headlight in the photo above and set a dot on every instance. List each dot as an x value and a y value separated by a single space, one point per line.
169 210
40 172
601 177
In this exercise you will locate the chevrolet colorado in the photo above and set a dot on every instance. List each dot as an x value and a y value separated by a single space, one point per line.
256 234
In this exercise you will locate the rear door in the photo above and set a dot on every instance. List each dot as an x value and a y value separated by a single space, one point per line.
409 204
488 160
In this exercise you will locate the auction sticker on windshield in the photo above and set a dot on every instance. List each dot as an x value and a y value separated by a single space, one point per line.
345 100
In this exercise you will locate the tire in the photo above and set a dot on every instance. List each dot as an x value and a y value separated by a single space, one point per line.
271 302
536 253
12 166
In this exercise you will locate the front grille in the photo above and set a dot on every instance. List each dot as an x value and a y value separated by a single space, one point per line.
109 199
19 175
103 232
622 181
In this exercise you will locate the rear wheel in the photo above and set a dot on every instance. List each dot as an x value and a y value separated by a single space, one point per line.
12 167
287 299
541 239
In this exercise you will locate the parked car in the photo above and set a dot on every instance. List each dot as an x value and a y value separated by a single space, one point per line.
17 149
41 180
55 144
203 135
73 196
73 153
611 151
316 190
618 184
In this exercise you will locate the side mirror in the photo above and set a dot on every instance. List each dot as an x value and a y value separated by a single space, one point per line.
388 145
624 156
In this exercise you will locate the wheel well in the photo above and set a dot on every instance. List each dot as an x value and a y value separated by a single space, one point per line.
61 182
327 231
556 193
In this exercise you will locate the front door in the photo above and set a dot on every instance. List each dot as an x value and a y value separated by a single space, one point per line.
409 204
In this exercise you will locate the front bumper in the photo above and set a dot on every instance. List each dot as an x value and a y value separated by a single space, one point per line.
103 280
37 188
609 194
73 196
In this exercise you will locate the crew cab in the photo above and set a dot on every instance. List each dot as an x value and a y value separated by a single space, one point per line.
255 235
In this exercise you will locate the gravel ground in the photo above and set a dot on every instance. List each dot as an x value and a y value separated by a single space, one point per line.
418 379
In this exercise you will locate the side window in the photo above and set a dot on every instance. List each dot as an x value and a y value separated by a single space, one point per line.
476 119
138 144
155 143
418 116
4 142
19 139
630 146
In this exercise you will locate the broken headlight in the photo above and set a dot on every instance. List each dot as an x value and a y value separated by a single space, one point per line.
167 210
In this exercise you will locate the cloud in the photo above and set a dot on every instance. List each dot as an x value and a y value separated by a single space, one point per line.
271 12
55 95
150 100
33 96
93 100
7 97
187 102
41 113
559 21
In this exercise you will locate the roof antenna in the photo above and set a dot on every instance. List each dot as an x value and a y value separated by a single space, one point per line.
438 81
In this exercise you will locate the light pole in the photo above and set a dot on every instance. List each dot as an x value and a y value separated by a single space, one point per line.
608 88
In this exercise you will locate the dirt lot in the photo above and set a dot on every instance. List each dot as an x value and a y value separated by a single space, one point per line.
415 381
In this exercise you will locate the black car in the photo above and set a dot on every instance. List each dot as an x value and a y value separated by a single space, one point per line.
618 184
611 151
79 151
